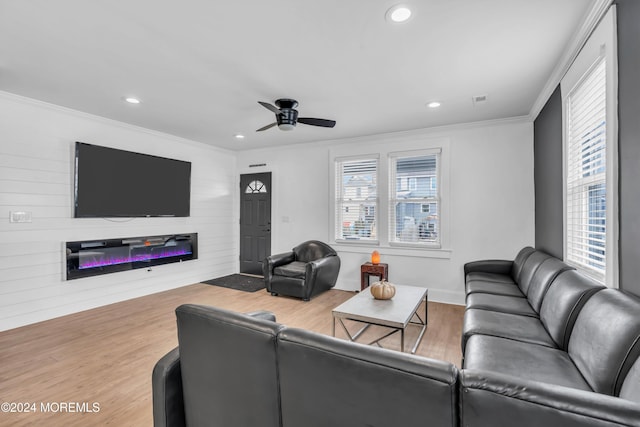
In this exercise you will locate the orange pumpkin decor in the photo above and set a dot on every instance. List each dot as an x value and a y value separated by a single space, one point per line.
375 257
383 290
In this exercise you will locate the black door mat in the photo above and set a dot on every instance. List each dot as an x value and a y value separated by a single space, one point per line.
240 282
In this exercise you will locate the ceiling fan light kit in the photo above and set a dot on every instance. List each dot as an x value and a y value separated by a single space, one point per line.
287 116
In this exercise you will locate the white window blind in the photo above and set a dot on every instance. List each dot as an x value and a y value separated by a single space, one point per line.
414 210
356 199
586 182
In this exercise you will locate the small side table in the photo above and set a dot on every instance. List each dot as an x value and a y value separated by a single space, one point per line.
368 269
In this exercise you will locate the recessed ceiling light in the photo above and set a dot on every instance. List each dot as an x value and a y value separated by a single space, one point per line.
238 136
132 100
433 104
398 13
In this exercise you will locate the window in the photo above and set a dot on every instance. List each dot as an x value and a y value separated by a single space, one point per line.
255 187
356 199
413 209
590 157
394 196
586 201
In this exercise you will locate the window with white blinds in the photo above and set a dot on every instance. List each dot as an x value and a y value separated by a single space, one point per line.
586 174
356 199
414 199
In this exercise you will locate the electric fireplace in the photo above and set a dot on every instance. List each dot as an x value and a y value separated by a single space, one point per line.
94 257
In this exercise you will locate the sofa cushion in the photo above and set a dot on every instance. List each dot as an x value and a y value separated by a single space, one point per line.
490 399
564 300
523 360
496 288
529 268
325 381
519 261
228 364
603 338
505 325
630 389
296 269
501 303
542 278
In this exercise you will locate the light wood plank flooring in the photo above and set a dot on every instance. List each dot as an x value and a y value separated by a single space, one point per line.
106 355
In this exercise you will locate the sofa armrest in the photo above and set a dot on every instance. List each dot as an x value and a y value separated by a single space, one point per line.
273 261
262 314
498 266
489 399
168 403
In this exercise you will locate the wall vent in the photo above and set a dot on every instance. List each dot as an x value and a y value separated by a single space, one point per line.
479 99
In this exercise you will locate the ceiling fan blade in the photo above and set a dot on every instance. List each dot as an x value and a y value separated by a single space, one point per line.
266 127
270 107
317 122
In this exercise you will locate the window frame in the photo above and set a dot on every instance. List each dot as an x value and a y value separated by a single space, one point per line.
339 202
393 198
600 46
382 146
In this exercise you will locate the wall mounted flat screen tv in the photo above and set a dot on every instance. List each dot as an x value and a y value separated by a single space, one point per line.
117 183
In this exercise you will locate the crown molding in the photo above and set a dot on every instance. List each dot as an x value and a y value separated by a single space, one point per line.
591 20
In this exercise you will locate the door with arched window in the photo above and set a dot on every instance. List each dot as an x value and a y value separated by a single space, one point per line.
255 221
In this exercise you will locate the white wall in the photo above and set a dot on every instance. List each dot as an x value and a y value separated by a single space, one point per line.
36 152
491 206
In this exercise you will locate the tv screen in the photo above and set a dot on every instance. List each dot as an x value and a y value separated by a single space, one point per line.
117 183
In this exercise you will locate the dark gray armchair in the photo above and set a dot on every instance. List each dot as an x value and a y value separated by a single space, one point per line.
310 268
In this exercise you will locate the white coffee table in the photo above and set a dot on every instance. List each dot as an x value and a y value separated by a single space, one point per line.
396 313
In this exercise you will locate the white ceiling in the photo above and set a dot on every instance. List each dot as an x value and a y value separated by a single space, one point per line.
200 66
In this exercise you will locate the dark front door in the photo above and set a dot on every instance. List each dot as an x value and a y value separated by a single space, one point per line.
255 221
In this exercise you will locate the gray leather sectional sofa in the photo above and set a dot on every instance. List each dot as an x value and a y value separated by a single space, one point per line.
543 345
236 370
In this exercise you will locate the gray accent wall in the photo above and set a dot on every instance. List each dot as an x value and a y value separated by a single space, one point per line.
548 146
547 171
629 137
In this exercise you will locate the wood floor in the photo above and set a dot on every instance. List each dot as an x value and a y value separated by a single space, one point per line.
105 356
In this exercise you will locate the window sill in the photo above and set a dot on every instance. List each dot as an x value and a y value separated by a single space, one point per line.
405 251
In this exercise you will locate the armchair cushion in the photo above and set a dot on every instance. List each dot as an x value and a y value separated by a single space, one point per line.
293 269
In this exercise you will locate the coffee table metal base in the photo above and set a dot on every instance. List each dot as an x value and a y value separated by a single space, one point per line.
422 323
396 316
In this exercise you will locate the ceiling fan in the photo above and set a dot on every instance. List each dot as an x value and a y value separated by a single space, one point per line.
287 116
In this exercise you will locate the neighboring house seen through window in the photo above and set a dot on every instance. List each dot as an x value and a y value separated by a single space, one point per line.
413 210
356 199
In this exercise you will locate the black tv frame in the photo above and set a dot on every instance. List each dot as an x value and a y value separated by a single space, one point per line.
131 156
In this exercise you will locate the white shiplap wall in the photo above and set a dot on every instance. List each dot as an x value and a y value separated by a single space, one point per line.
36 173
